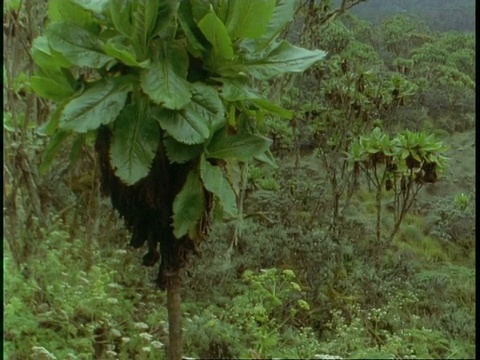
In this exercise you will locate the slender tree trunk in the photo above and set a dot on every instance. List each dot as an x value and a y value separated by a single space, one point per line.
296 141
379 214
377 251
406 205
175 346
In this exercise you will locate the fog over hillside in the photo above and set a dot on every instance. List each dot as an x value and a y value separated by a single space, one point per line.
441 15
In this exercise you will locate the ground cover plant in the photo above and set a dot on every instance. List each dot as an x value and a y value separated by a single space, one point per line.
288 276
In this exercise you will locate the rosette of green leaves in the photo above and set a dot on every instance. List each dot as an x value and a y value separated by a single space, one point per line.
406 151
177 73
371 149
420 147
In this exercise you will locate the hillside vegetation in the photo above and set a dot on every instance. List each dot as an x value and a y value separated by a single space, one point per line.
328 257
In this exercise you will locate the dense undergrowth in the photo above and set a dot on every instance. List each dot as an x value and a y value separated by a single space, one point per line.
274 283
294 294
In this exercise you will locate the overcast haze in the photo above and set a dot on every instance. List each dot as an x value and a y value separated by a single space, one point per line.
441 15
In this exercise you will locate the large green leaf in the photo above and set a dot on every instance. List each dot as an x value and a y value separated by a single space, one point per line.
216 33
50 127
267 158
120 12
199 8
179 152
188 206
115 48
79 46
165 82
206 104
44 57
242 146
284 58
282 16
184 125
215 182
97 6
238 90
52 149
234 173
194 123
144 19
100 104
273 108
134 144
189 26
50 88
55 84
70 12
166 12
249 18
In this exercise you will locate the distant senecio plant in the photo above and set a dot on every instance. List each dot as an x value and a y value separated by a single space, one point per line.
401 165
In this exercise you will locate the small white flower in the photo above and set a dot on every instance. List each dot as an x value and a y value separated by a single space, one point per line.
140 325
326 357
302 304
116 332
40 350
114 286
146 336
125 339
146 348
156 344
295 286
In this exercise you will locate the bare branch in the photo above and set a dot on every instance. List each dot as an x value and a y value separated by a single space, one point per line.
346 5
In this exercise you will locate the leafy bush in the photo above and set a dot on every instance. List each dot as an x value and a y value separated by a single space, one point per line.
392 331
69 295
66 307
455 221
264 318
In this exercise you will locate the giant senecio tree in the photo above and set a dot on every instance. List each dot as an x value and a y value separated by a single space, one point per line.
169 91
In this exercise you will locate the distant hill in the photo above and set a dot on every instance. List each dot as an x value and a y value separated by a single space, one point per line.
441 15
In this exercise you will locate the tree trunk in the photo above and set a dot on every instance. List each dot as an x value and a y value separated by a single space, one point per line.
378 206
175 346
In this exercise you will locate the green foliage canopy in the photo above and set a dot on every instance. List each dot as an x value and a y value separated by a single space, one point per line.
167 73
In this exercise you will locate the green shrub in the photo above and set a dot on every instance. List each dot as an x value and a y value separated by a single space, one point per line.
66 307
265 318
